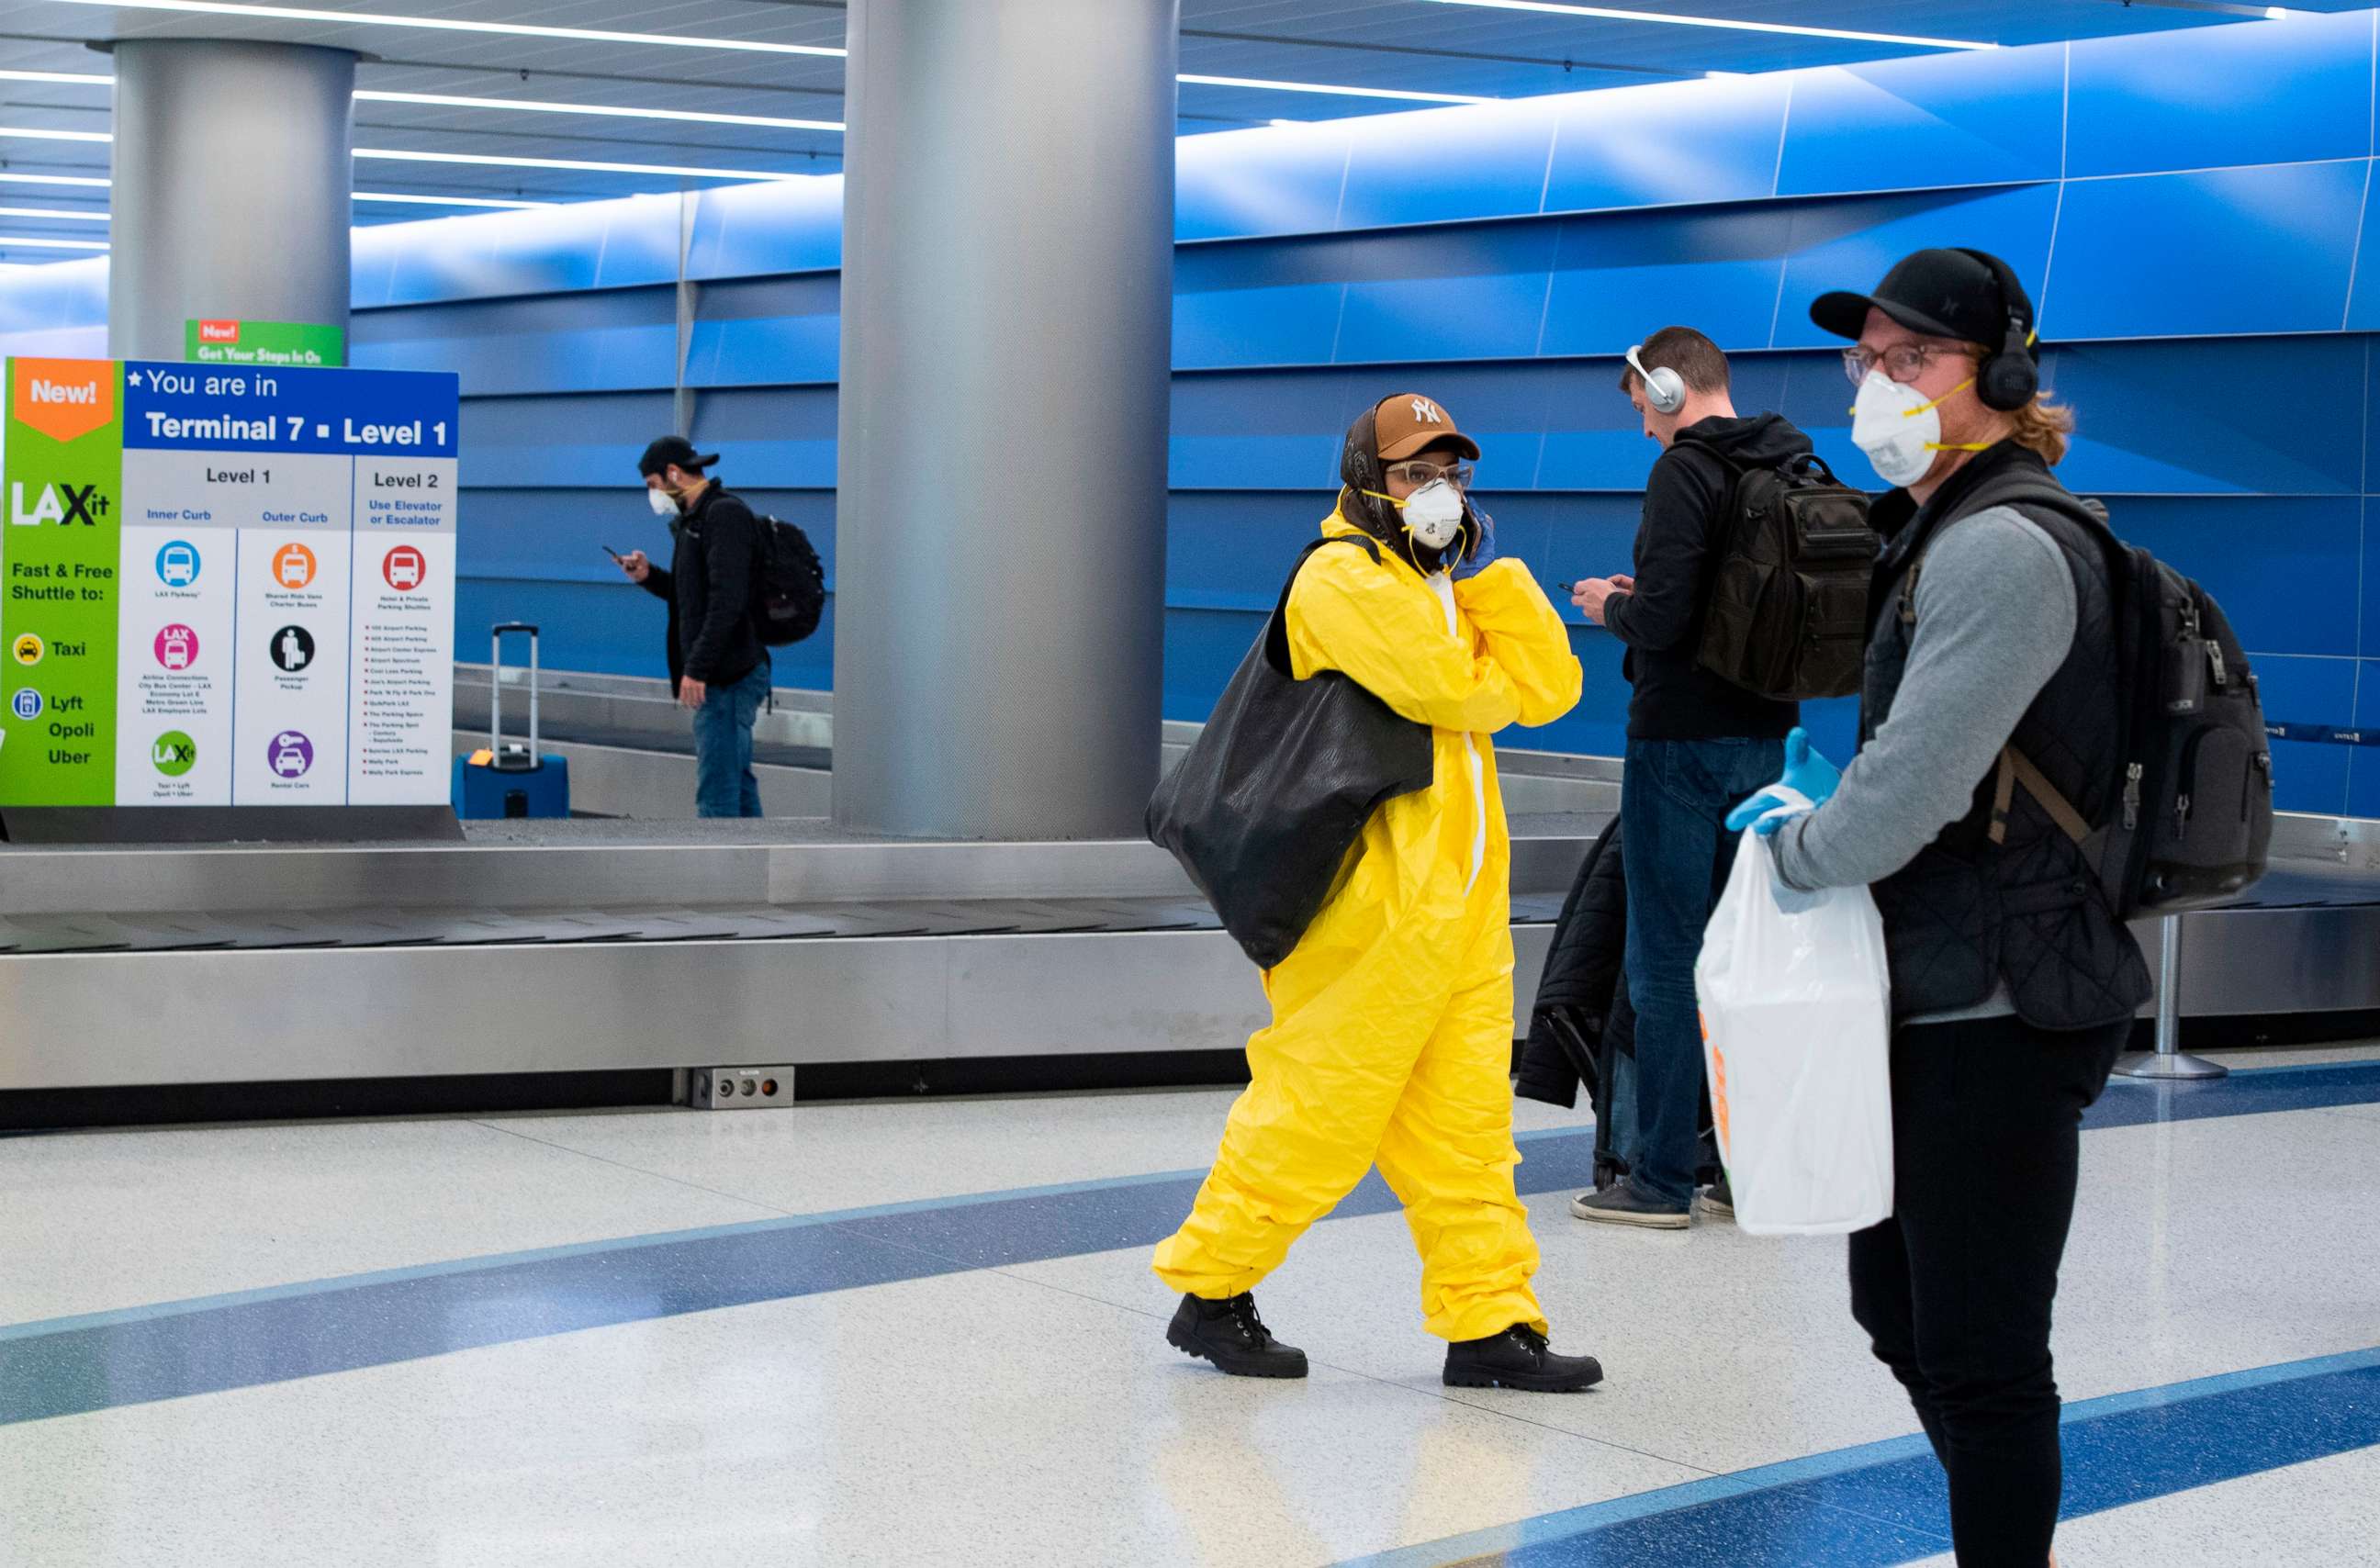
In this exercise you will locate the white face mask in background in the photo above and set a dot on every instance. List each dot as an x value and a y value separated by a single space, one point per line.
663 504
1434 515
1900 430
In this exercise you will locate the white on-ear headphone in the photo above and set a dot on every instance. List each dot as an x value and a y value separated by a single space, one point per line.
1664 388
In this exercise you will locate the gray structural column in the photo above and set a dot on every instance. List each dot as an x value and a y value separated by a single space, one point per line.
233 182
1007 299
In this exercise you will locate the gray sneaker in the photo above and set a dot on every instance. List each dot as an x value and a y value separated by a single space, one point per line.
1719 1201
1625 1203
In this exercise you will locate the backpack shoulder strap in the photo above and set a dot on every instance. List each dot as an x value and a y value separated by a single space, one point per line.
1277 629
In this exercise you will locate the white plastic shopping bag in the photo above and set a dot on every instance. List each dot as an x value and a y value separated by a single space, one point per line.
1797 1025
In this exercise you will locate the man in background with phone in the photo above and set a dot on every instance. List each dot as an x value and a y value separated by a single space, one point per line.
1696 745
718 665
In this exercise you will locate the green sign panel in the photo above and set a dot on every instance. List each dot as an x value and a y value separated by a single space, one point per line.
65 476
222 341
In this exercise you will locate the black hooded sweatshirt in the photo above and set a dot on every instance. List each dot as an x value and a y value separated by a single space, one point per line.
1661 620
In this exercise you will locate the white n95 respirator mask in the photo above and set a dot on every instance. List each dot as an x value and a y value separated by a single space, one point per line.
663 504
1899 430
1433 514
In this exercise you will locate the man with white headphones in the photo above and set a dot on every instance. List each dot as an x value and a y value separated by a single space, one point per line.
1696 745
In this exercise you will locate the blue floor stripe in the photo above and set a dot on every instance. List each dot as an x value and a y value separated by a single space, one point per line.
65 1366
1883 1503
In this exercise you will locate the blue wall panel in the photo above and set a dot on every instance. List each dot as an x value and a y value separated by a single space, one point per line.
791 225
1258 304
1669 143
558 440
550 343
767 331
1433 166
1618 278
2295 592
591 245
1992 118
1255 182
1471 293
2250 416
777 438
1852 243
1276 432
2209 97
2215 254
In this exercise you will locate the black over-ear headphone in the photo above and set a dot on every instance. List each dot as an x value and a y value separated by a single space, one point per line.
2009 378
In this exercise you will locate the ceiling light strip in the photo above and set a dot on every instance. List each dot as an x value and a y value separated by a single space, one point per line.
1270 86
588 166
65 214
60 79
86 182
30 133
1790 29
411 200
11 241
614 111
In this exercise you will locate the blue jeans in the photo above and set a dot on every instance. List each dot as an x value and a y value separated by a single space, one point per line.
1674 798
724 784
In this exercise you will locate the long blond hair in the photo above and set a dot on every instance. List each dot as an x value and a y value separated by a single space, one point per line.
2043 425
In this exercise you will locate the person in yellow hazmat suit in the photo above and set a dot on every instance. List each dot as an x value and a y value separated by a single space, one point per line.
1391 1034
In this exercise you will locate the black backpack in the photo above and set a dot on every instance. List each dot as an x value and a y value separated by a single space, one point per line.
789 591
1786 613
2192 826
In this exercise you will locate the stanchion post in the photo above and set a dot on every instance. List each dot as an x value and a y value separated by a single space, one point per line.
2168 1060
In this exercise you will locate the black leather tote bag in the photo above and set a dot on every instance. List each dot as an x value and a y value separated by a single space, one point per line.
1263 810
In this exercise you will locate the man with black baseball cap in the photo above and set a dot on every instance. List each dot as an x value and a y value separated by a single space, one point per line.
1989 707
718 665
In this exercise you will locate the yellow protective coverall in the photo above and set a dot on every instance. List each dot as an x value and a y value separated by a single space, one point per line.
1391 1039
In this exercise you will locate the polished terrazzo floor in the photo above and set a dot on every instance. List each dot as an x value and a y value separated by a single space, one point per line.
924 1333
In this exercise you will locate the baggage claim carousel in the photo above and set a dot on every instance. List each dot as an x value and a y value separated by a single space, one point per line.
630 944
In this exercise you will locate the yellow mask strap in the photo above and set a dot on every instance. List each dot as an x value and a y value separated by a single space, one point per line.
1921 408
1378 496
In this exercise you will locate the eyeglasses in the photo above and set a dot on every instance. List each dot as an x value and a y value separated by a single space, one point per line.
1902 362
1419 473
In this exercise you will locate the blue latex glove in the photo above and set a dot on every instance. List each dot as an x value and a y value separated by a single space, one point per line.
1806 773
1487 557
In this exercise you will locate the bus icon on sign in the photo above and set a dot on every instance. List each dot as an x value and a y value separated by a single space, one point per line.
404 569
177 647
178 565
293 567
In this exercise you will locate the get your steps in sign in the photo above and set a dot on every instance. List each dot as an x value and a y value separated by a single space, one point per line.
226 585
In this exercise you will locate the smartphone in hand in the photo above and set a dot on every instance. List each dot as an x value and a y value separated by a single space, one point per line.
615 556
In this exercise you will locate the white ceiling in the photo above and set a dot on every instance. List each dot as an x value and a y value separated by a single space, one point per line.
1415 46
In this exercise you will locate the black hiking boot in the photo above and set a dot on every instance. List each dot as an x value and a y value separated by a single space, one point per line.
1229 1334
1518 1358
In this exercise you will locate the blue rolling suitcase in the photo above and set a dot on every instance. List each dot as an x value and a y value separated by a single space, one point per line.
510 780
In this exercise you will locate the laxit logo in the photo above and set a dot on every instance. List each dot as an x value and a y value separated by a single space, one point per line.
63 399
218 332
61 503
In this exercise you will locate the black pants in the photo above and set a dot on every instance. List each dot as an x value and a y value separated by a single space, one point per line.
1955 1289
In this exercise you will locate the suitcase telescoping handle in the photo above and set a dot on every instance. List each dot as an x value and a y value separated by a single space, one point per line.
496 691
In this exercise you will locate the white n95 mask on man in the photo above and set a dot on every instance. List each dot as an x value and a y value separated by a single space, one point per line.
1900 430
663 504
1434 515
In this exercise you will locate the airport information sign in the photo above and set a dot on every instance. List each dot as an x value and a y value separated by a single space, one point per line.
287 345
225 585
